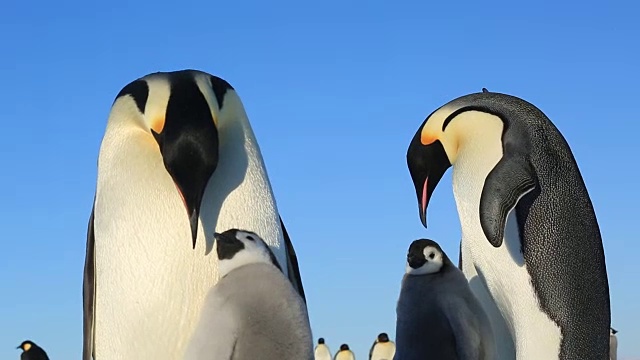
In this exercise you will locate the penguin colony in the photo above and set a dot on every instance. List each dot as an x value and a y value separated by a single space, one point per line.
187 256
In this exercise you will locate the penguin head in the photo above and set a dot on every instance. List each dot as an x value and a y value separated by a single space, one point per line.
179 114
26 345
344 347
425 257
438 141
320 341
612 331
237 247
383 337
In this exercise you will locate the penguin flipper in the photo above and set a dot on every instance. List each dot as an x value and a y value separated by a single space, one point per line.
460 256
292 263
511 179
371 350
89 293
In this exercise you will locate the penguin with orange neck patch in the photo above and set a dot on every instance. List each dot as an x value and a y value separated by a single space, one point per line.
383 348
531 245
344 353
31 351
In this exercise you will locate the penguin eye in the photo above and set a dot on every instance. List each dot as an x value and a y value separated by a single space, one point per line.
250 238
432 255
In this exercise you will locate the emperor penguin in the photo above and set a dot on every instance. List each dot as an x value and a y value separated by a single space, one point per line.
178 162
31 351
613 344
344 353
531 246
438 317
321 351
382 348
253 311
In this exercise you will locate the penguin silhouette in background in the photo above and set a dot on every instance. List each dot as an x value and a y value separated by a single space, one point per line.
344 353
382 348
31 351
322 352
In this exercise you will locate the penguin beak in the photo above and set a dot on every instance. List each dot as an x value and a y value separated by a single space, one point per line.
415 262
427 164
223 238
189 147
227 245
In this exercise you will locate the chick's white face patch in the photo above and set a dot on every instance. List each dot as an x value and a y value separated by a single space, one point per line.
433 262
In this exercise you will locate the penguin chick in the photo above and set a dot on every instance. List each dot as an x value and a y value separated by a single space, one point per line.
382 348
253 311
438 317
31 351
321 352
344 353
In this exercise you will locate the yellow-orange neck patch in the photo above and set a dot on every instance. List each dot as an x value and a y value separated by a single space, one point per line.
157 124
427 138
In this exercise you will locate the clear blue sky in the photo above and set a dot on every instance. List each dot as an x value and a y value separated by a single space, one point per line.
335 91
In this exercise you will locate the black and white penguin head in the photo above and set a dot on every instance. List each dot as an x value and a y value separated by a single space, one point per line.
383 337
612 331
320 341
237 247
437 143
26 345
181 116
425 257
344 347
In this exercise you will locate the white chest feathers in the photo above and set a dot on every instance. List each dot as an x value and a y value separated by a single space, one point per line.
512 306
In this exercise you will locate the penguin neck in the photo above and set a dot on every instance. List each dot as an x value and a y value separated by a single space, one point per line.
480 151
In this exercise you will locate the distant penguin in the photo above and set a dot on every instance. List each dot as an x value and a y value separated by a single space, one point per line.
31 351
253 311
613 344
382 348
531 246
344 353
438 317
321 351
178 161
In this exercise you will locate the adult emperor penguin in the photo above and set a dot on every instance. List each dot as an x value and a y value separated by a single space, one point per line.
31 351
438 317
538 270
344 353
253 311
382 348
178 161
321 351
